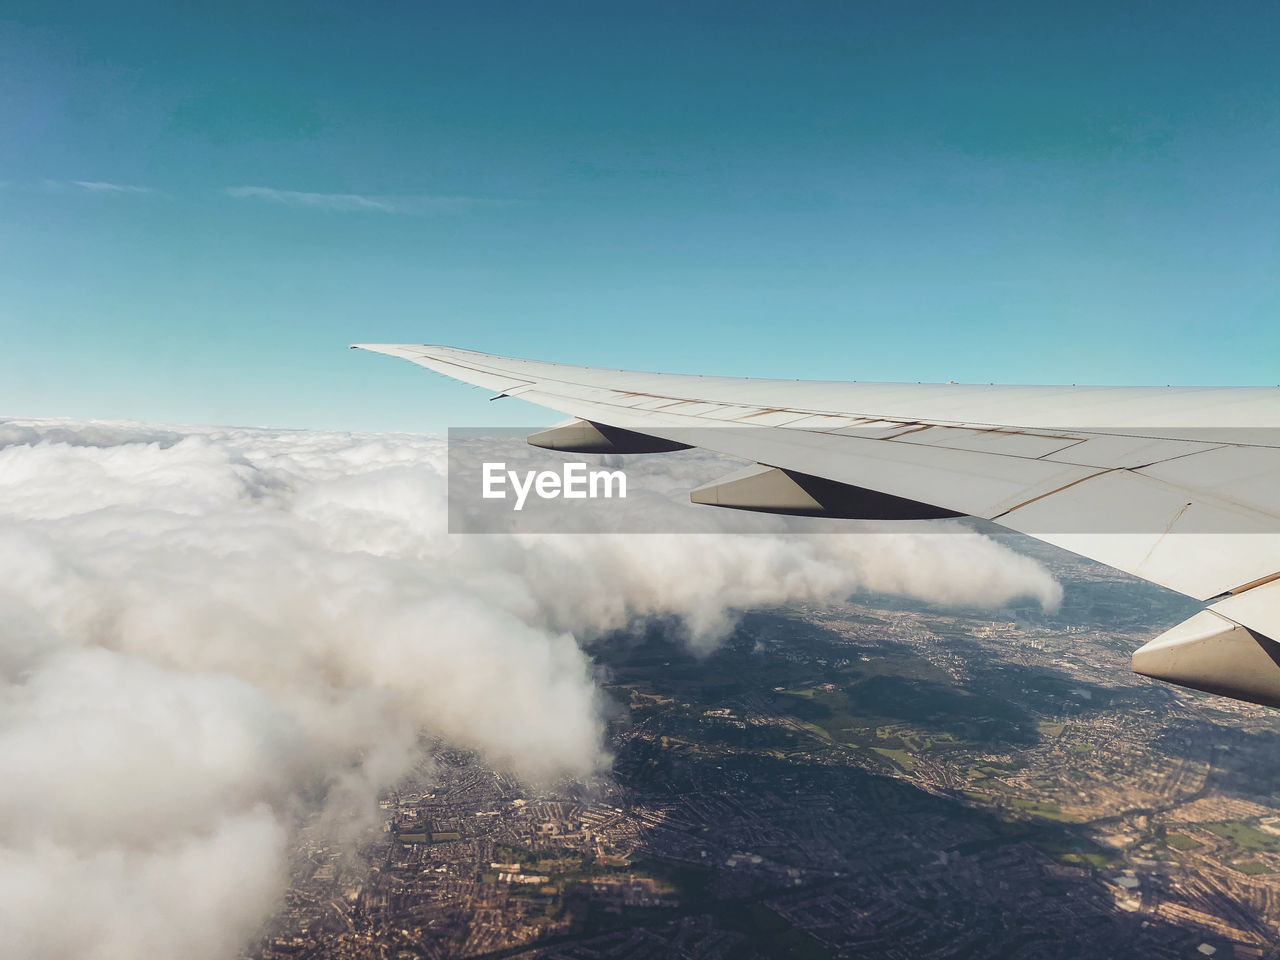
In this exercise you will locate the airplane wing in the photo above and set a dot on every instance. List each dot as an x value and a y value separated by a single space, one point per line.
1177 485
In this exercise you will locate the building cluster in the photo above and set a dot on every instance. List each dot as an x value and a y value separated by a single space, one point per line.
895 783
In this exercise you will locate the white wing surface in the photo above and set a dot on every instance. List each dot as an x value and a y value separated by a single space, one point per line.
1177 485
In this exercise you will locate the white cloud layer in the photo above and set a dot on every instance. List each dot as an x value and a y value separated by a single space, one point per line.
200 627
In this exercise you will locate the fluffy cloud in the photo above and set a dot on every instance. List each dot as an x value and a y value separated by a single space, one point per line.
200 628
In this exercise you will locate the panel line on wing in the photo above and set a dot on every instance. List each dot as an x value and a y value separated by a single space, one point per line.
1065 486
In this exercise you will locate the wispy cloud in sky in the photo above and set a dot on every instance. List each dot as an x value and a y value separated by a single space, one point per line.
321 201
355 202
100 186
338 202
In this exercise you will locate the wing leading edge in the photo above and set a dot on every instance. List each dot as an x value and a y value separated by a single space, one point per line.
1177 485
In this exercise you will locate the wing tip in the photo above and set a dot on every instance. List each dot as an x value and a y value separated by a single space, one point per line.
397 349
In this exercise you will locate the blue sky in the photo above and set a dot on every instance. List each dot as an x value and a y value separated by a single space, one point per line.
201 209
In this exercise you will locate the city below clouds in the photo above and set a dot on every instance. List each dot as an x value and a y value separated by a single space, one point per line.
211 630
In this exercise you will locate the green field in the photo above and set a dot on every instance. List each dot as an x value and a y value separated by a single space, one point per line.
1251 867
421 836
1080 852
1245 836
900 757
1180 841
1047 809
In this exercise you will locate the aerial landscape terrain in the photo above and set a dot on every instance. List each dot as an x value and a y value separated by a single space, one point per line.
318 653
875 778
